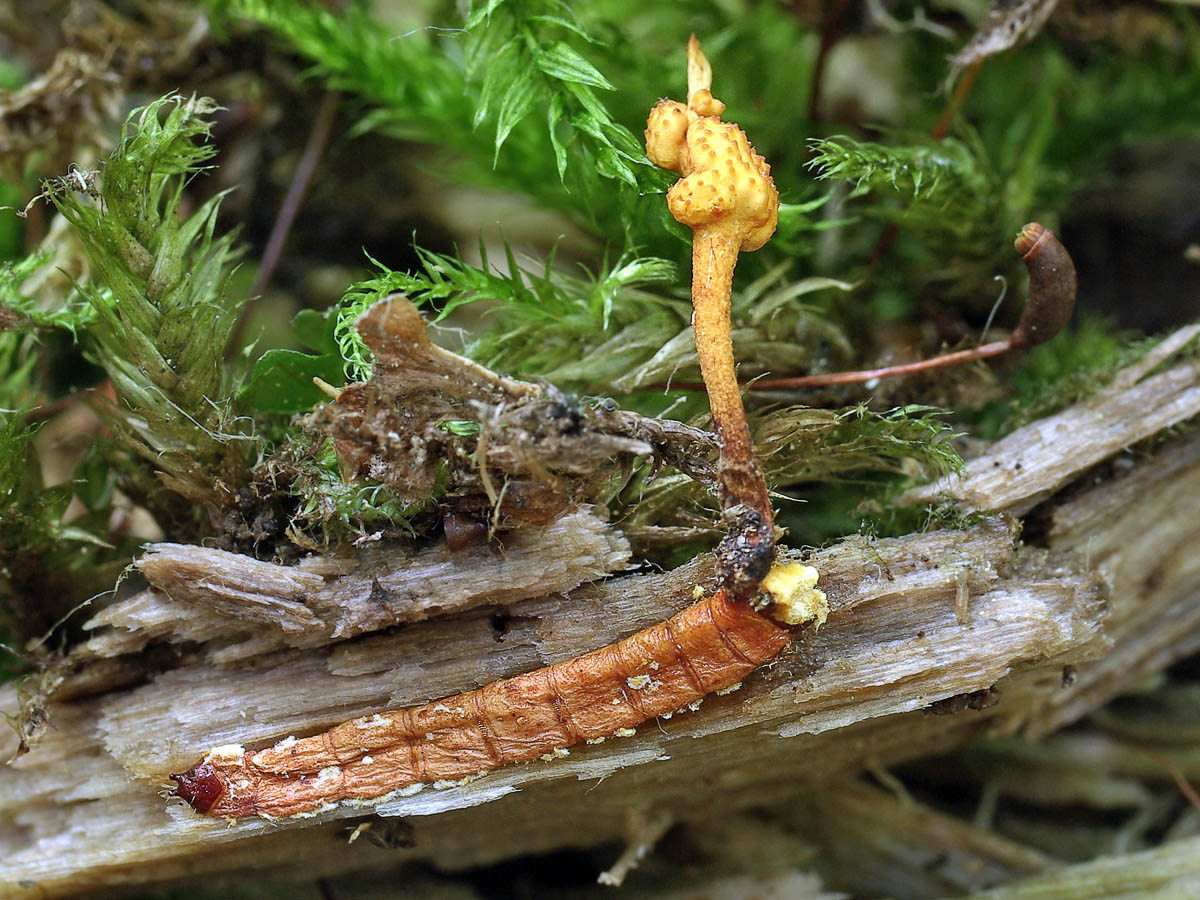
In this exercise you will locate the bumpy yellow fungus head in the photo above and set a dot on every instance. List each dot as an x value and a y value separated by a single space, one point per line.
725 184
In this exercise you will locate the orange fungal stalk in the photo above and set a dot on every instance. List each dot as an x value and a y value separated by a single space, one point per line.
727 197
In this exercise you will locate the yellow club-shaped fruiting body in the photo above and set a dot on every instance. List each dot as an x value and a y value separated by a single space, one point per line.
727 197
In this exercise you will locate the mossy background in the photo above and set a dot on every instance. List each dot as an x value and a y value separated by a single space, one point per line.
162 319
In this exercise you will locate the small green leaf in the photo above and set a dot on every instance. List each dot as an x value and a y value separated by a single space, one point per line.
73 533
504 72
516 106
553 116
314 330
609 163
562 22
282 381
481 15
563 63
460 427
94 481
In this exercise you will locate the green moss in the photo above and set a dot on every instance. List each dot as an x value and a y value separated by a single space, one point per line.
155 313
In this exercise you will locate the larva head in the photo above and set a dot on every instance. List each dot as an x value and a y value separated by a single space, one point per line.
1051 286
201 787
745 555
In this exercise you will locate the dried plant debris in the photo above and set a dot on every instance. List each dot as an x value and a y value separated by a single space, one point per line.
61 112
1141 401
1128 24
1007 23
65 114
432 424
32 716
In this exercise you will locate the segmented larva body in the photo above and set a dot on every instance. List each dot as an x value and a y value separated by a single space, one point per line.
711 645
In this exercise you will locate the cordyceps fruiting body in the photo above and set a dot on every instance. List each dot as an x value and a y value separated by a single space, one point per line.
727 197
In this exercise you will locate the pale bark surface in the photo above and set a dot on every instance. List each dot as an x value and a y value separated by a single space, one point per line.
1105 584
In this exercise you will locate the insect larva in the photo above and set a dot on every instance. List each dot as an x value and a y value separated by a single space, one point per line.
706 647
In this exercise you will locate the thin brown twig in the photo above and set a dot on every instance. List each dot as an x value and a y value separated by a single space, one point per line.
961 90
828 379
314 149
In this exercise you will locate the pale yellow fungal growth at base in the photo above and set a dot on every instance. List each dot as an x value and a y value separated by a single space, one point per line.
793 590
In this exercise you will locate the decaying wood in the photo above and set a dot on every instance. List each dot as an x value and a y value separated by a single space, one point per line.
238 607
1032 463
1172 870
1105 585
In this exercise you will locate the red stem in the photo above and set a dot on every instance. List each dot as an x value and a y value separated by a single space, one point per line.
826 379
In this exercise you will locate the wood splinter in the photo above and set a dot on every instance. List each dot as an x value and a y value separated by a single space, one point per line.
728 197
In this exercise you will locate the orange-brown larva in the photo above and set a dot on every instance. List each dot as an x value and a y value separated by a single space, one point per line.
708 646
